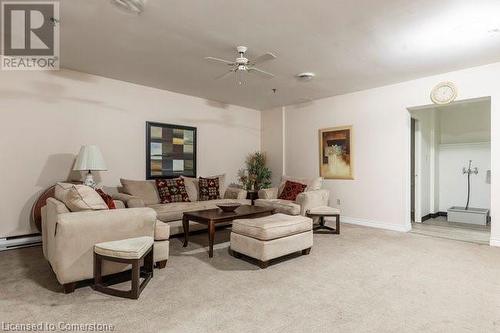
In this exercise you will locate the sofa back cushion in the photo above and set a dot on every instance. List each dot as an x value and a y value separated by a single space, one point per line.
144 189
80 198
209 189
191 185
62 190
311 184
291 190
172 190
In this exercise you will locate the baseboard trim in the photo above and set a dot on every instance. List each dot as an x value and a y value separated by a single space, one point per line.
375 224
495 242
427 217
11 243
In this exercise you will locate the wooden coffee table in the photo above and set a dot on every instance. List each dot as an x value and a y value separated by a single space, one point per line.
211 217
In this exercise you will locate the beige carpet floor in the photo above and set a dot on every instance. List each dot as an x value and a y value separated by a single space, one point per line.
365 280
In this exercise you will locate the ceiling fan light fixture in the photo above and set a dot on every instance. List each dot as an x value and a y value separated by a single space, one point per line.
130 6
243 65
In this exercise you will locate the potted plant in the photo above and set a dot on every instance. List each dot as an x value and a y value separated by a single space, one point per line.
256 175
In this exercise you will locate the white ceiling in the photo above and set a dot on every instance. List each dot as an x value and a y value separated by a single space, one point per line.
350 45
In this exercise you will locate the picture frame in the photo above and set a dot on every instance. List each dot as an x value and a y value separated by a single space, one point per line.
336 153
170 150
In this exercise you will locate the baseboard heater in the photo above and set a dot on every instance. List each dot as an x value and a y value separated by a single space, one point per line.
16 242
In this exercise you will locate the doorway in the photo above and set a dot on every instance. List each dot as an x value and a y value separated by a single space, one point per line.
450 158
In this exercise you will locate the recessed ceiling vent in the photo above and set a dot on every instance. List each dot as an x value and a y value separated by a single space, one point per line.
306 76
130 6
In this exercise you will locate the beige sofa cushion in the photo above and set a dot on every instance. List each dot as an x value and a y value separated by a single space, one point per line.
324 210
192 187
273 226
234 193
131 248
312 184
144 189
280 205
81 197
174 211
61 191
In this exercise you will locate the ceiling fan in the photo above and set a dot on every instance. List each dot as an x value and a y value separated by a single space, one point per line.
243 65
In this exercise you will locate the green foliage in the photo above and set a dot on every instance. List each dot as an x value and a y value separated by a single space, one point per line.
256 175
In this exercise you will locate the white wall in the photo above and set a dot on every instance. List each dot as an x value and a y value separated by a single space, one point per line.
379 195
46 116
272 142
453 183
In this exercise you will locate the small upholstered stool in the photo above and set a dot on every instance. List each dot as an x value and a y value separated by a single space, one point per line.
271 237
322 212
127 251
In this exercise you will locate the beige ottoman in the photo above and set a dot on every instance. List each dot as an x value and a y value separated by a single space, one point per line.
271 237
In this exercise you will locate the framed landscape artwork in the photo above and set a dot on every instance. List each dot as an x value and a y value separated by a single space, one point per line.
336 153
170 151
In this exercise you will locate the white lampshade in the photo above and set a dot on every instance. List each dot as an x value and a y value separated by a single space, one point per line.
89 159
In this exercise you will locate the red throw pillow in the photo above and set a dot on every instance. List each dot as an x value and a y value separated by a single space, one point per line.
107 199
172 190
209 189
292 190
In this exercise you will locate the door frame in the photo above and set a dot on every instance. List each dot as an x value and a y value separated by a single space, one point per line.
417 172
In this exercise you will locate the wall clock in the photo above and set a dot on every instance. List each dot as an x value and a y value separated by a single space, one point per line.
444 93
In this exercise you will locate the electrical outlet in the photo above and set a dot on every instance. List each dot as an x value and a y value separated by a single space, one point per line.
338 201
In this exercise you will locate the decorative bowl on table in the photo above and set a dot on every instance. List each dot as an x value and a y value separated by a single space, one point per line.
229 207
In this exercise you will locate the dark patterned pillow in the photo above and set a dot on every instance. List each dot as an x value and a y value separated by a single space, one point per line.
292 190
209 189
172 190
107 199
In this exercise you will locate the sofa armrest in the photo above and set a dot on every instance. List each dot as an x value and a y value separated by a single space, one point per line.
235 193
268 193
129 200
77 233
312 199
50 213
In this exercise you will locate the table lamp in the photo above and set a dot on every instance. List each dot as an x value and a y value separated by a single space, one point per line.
89 159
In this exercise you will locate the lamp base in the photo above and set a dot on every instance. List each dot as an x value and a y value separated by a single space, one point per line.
89 180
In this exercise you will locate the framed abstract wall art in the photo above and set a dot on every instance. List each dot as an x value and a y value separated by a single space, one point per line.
170 151
336 153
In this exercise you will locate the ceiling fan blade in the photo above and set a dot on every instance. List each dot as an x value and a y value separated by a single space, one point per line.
260 71
218 60
223 75
265 57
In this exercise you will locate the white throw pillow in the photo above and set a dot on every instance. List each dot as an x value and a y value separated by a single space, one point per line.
62 190
191 187
81 198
